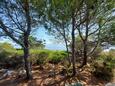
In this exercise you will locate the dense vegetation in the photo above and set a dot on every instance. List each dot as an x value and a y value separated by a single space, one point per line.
86 27
11 56
101 66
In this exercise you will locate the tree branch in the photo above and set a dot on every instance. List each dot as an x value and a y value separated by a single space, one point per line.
4 28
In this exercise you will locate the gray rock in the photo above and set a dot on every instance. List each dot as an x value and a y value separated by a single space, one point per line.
110 84
74 84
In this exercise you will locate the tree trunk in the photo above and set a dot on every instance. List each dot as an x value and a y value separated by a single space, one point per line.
26 42
68 58
73 47
26 56
27 65
86 39
84 55
66 44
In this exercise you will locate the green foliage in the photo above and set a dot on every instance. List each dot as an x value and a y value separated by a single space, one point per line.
104 65
97 52
108 58
7 47
39 56
57 56
43 56
6 51
15 57
9 56
108 33
19 52
103 72
35 43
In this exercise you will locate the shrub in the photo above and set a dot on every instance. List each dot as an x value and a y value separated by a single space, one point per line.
103 72
42 57
56 56
104 65
97 52
14 57
6 52
10 59
4 55
19 52
15 62
39 56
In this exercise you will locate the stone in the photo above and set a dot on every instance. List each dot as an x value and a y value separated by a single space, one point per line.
110 84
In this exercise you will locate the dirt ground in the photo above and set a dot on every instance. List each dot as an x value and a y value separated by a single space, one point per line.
45 77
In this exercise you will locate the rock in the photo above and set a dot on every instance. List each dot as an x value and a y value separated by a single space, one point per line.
6 73
110 84
74 84
51 73
63 72
84 83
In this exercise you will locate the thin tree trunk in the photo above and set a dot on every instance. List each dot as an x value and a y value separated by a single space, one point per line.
85 56
85 53
67 48
68 57
65 40
73 47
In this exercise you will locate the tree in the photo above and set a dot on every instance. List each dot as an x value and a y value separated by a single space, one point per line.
58 22
80 16
92 26
61 17
16 22
108 34
35 43
79 47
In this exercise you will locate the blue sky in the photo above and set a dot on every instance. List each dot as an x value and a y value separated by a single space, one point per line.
51 43
41 33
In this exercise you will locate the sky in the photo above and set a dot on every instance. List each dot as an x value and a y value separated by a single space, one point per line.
51 44
50 41
42 34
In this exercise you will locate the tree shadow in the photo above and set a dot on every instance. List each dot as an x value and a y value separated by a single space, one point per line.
51 81
10 81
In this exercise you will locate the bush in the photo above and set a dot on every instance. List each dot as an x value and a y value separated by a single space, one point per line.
104 65
103 72
39 56
14 57
43 56
19 52
57 56
97 52
6 53
14 62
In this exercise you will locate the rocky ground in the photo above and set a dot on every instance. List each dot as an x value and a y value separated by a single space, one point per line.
46 77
